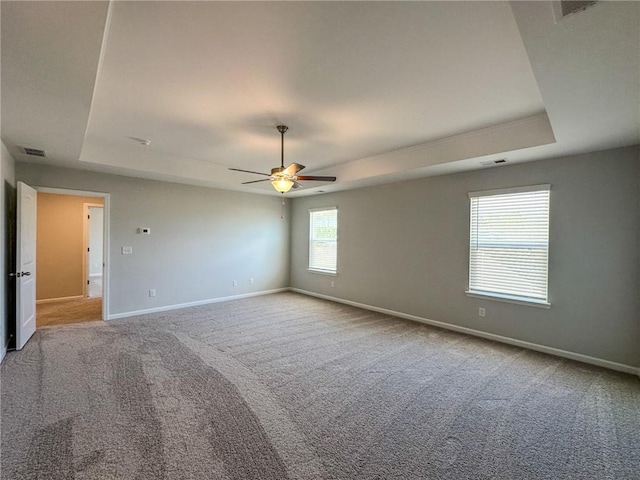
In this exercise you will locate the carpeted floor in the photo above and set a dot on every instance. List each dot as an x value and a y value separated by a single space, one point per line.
76 310
290 387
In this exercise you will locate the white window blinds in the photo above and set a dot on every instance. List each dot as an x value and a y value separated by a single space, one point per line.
323 240
509 247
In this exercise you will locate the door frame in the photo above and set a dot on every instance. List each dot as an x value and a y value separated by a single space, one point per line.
85 245
106 205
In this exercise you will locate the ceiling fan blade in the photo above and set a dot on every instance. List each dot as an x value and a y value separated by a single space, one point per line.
297 185
256 181
292 169
314 177
249 171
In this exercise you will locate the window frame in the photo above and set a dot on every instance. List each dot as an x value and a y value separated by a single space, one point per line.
322 271
509 297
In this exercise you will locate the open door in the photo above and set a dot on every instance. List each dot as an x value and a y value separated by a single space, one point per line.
93 265
25 264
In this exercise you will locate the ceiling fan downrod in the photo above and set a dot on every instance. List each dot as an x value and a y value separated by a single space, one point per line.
282 129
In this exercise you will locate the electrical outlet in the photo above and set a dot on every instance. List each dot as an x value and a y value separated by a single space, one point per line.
251 281
481 312
235 283
152 292
333 284
127 250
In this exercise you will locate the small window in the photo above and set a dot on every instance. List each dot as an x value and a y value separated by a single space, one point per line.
323 240
509 244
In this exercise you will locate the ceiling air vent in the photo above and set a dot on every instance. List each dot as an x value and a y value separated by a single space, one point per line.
34 151
569 7
493 162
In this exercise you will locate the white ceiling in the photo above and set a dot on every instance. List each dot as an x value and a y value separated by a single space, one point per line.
372 92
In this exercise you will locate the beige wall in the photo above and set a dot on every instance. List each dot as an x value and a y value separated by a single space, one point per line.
60 245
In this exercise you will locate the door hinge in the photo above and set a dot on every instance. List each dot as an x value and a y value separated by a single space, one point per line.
88 249
88 282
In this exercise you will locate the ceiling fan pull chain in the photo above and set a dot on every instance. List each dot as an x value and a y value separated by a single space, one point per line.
282 208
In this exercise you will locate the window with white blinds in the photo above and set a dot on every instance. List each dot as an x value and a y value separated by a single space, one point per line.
323 240
509 243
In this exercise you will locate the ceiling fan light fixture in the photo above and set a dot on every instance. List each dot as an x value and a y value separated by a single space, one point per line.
284 179
282 185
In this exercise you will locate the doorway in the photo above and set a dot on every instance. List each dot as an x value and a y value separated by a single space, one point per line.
71 256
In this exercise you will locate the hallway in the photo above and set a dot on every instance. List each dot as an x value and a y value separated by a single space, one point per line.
64 312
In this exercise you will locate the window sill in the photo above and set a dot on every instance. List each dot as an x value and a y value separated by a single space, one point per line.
322 272
509 299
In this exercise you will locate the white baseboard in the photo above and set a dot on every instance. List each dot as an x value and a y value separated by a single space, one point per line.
620 367
59 299
3 352
193 304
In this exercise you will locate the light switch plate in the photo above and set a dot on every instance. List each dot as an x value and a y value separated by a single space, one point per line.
127 250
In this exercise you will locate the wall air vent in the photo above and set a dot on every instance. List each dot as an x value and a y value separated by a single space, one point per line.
493 162
569 7
34 151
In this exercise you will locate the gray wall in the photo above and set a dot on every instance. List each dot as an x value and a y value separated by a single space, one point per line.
405 247
201 239
7 191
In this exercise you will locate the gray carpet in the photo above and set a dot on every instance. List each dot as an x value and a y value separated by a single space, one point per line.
290 387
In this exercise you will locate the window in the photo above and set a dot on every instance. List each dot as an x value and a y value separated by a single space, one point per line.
323 240
509 244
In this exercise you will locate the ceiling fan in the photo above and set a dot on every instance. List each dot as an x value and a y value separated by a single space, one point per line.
283 179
